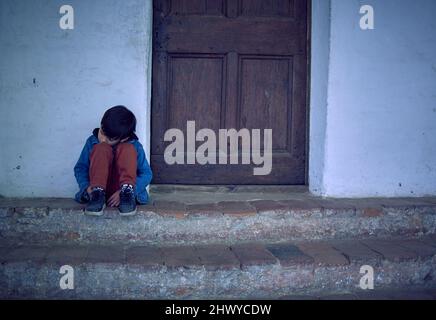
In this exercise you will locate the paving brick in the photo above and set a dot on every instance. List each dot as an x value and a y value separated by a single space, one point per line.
186 257
36 254
368 203
145 256
420 248
217 257
265 206
368 207
423 202
298 297
208 209
32 212
302 207
431 292
393 294
106 254
69 236
67 254
253 254
171 209
146 208
236 208
60 205
391 250
337 204
4 251
323 254
430 200
411 295
371 212
375 294
397 203
297 204
340 297
337 208
24 202
429 240
356 251
7 202
289 255
6 212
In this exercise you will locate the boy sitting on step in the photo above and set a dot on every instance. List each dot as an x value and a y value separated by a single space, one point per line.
113 166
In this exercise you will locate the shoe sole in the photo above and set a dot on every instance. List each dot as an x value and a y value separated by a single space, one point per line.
95 213
128 214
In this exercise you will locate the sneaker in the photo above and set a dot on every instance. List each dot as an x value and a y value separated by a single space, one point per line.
127 205
97 202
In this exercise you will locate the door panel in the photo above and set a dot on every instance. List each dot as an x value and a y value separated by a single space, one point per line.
231 64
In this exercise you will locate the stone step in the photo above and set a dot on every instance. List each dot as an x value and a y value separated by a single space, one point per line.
250 270
163 222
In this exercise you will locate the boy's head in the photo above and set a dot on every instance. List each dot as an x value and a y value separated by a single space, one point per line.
118 123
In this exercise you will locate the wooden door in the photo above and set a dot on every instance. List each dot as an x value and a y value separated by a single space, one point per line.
231 64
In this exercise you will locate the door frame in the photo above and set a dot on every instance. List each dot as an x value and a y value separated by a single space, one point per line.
308 84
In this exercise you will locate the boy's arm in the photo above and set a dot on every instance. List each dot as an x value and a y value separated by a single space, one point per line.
81 169
144 176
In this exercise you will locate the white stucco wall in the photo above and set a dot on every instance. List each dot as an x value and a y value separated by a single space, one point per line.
320 52
78 74
380 133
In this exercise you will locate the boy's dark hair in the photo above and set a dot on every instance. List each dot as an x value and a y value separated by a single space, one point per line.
118 123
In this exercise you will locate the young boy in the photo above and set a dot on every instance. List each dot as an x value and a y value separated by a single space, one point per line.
113 166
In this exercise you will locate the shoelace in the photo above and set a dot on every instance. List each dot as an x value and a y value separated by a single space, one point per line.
126 189
96 195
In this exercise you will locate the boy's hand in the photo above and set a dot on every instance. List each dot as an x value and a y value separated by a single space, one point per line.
102 137
114 200
89 190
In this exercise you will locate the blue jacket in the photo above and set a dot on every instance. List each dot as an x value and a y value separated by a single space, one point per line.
81 169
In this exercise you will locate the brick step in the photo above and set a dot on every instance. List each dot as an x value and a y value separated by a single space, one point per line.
251 270
40 221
